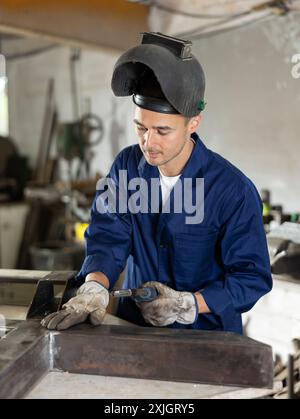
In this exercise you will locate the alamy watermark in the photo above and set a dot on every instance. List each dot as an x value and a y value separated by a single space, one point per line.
139 196
296 67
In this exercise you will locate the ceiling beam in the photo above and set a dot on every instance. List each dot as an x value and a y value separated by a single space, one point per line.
94 23
177 17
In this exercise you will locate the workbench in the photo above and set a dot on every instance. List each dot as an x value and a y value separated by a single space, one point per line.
63 385
35 363
120 360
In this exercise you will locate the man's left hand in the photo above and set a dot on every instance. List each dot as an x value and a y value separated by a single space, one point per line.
169 307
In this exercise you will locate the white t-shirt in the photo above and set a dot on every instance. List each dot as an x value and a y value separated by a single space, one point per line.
167 184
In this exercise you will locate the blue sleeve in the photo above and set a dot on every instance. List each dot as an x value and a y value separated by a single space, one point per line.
108 237
244 256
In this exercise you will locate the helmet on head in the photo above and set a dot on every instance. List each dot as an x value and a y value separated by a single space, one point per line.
162 75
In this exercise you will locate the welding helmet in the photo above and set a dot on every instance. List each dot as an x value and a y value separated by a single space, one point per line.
161 75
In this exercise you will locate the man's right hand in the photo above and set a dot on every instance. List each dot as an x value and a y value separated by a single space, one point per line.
90 302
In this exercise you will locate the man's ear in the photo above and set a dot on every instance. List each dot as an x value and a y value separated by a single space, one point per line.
194 123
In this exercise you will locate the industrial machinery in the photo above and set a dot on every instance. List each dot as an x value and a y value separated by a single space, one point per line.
284 250
13 171
75 139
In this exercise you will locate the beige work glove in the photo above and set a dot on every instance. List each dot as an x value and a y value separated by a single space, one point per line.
90 302
169 307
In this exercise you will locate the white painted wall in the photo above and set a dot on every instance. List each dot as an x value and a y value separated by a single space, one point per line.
252 116
3 98
253 110
27 85
275 319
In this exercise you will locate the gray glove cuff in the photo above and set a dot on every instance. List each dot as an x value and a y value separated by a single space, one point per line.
188 308
90 287
94 288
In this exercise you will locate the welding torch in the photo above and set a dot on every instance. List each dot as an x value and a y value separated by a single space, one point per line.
140 295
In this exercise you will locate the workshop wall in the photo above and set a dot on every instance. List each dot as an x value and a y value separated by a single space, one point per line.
252 115
28 79
253 103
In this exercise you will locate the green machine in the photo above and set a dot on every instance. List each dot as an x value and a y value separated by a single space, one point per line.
76 138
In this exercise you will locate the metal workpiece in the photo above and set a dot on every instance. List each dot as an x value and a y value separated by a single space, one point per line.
44 300
165 354
30 351
24 358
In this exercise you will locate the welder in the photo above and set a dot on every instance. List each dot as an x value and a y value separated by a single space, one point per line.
209 262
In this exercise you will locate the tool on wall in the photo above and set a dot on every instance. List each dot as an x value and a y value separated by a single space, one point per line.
75 142
45 165
75 139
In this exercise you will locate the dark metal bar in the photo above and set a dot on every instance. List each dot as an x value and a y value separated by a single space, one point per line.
70 290
30 351
291 381
216 358
24 359
43 301
165 354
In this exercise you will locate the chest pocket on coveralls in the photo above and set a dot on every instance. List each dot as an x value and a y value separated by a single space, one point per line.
195 254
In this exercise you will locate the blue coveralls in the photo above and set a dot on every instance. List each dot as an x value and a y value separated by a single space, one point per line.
225 257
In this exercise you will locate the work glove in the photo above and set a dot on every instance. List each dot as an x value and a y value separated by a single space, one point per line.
170 306
90 302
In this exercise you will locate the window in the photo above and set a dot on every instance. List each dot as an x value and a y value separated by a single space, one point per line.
3 98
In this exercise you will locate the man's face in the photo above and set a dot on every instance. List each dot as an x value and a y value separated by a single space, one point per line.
162 137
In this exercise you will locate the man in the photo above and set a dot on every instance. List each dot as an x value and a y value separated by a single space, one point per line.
207 268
